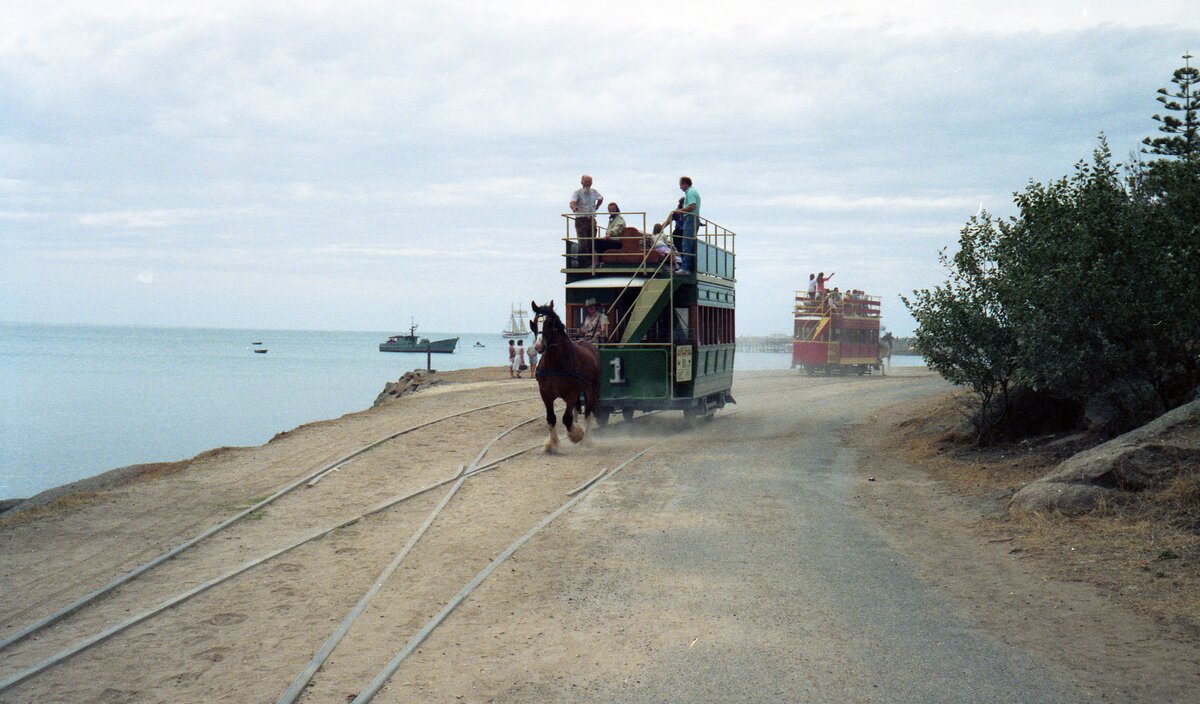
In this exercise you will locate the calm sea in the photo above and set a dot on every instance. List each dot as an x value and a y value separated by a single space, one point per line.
78 400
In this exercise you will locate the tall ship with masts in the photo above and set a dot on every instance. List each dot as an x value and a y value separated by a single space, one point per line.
517 325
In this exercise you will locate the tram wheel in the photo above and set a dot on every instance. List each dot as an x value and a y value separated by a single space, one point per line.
601 418
627 414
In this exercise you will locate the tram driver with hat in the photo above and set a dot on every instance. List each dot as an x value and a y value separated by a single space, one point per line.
595 323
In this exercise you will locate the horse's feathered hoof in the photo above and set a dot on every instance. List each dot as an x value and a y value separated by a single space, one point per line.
551 445
575 433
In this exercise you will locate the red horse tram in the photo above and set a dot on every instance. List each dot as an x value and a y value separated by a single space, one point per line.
836 333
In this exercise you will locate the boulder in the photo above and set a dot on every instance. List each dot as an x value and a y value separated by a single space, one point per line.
1122 405
1141 459
409 383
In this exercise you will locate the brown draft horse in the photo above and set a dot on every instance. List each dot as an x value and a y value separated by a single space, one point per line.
566 370
885 353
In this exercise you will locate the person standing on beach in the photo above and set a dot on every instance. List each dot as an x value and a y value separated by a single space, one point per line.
584 202
512 359
533 356
521 366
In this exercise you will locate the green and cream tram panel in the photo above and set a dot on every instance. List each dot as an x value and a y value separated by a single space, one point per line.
671 335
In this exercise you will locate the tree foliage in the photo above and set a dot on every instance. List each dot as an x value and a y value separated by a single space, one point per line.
963 330
1183 134
1095 281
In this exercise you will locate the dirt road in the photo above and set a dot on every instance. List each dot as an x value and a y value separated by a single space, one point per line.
746 560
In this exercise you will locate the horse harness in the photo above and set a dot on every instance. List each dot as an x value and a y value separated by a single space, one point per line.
557 373
540 373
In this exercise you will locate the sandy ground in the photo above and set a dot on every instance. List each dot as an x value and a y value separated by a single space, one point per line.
748 559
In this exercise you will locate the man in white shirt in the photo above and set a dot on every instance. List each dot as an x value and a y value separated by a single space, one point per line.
585 202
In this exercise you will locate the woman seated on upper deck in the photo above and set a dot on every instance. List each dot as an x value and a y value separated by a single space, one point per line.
616 225
660 242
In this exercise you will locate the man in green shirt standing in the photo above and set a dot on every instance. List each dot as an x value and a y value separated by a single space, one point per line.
685 236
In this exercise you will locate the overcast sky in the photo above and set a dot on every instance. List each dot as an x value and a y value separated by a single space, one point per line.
347 165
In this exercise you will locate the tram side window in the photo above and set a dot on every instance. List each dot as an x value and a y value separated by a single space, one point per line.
715 326
683 327
659 332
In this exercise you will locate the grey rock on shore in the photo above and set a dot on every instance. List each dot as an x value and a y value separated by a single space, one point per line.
1141 459
412 381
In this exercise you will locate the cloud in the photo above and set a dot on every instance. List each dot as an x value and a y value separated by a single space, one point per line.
139 219
838 202
294 140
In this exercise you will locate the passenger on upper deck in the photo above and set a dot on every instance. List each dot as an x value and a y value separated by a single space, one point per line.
616 223
685 235
616 226
821 279
835 300
812 287
584 202
662 246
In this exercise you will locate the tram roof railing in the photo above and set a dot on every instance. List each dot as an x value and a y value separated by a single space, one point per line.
713 246
848 304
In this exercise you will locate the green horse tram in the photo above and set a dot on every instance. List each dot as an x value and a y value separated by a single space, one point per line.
670 344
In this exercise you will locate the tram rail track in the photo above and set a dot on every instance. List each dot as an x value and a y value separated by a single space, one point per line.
75 605
99 637
458 479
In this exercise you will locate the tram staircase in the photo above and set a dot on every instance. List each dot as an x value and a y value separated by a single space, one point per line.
651 300
820 329
825 312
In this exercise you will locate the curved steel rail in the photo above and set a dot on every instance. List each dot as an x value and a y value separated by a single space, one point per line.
145 567
384 675
104 635
297 686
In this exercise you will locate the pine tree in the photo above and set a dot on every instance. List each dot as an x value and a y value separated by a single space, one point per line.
1184 135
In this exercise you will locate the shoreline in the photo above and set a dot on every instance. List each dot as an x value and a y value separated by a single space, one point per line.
125 475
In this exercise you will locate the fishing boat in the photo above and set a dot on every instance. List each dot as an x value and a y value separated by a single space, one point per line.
411 343
517 327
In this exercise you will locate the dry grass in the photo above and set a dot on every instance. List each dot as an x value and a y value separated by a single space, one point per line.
1144 552
68 502
86 491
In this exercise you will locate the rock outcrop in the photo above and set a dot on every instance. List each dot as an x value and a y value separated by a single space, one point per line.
411 381
1123 405
1141 459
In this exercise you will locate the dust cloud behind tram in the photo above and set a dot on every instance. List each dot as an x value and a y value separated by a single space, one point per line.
666 339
